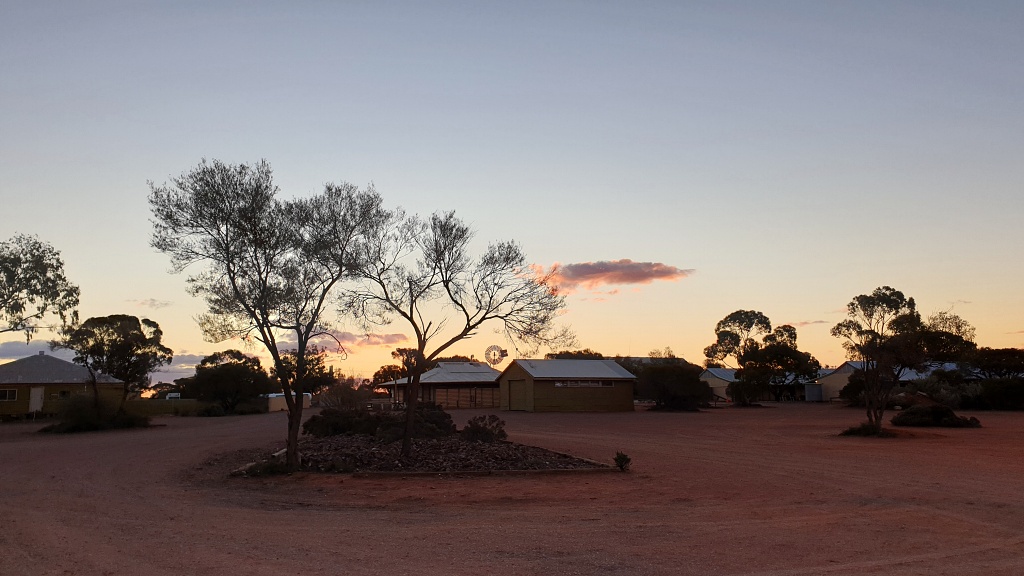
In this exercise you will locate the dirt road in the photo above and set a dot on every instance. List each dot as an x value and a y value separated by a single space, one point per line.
766 491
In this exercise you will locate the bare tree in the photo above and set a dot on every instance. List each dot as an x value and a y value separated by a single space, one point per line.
270 265
421 273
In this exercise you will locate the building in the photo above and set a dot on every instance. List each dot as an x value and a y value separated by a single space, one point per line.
566 386
454 385
827 387
41 385
719 379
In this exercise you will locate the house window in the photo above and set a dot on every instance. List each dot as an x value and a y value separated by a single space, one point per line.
65 393
8 395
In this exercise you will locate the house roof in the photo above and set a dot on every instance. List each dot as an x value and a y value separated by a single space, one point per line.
727 374
454 373
908 376
573 368
44 369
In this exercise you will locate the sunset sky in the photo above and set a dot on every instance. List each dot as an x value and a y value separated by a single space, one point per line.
678 160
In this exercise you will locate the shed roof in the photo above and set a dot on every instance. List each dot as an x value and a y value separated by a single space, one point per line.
727 374
573 368
44 369
454 373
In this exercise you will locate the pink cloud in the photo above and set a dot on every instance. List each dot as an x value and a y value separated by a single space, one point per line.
592 275
807 323
351 341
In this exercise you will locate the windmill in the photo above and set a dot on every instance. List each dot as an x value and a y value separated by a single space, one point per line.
495 354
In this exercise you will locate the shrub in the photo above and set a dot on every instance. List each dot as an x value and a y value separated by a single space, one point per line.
80 415
622 461
674 386
334 422
1003 394
431 422
211 411
488 428
936 415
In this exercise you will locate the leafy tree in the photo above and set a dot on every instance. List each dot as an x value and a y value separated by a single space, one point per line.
421 273
229 378
585 354
735 334
270 265
318 375
997 363
388 373
674 386
950 323
33 286
776 366
119 345
883 330
345 392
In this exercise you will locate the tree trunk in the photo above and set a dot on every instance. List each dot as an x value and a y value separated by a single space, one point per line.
291 461
412 397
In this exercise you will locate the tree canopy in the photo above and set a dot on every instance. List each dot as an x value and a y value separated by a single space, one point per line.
884 330
421 273
229 378
268 266
119 345
735 334
33 286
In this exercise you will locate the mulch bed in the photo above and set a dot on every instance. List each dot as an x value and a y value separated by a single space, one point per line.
435 455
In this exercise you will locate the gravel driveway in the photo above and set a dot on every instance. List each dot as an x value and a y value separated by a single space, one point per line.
767 491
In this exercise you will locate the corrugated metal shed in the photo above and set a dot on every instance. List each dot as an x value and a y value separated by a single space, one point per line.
572 368
454 373
44 369
727 374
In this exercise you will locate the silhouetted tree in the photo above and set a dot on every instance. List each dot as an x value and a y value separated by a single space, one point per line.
883 331
674 386
270 265
121 346
775 366
32 286
736 333
422 273
318 375
585 354
997 363
229 378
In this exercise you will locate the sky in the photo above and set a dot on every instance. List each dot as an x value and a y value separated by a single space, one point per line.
678 160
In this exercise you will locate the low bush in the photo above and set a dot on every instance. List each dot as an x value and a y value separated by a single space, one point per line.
622 461
211 411
936 415
335 422
488 428
431 422
80 415
1002 394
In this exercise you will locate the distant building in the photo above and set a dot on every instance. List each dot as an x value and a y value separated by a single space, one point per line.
719 379
42 385
453 385
566 386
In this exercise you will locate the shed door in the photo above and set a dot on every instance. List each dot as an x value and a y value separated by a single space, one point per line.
35 398
518 395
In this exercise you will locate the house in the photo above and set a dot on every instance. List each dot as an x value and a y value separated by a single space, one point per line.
566 386
719 379
42 384
827 387
454 385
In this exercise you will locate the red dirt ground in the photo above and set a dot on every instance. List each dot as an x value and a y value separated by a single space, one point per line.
764 492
